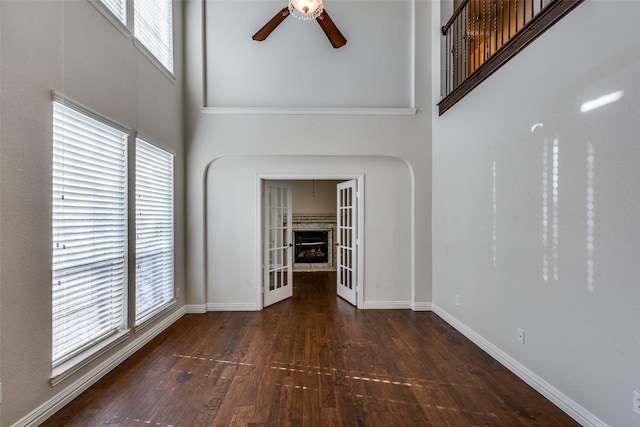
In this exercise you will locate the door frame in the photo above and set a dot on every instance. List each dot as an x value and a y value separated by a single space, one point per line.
260 202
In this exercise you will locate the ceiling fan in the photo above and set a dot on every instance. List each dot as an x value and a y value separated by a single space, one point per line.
306 10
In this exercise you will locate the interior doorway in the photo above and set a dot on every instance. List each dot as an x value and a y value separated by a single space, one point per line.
321 215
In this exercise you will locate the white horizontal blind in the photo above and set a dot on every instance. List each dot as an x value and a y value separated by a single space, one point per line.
118 8
89 224
154 229
153 26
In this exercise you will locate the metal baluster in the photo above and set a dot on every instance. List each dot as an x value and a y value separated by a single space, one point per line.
509 19
532 11
444 87
454 28
456 54
463 43
475 22
465 25
449 62
495 27
501 23
484 30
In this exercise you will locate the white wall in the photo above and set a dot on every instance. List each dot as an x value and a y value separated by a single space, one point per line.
70 47
296 66
275 143
233 231
581 328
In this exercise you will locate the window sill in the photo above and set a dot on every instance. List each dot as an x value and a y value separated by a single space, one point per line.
104 10
70 367
154 315
145 52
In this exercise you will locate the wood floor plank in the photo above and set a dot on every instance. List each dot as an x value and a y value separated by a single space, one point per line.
312 360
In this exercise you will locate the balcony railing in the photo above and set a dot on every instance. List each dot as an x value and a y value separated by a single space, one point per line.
482 35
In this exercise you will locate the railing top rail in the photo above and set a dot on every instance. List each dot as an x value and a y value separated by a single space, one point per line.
449 23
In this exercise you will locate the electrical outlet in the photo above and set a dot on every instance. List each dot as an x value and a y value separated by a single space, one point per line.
636 402
457 299
521 335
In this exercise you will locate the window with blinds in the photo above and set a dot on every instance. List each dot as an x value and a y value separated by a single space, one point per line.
118 8
154 230
153 27
89 230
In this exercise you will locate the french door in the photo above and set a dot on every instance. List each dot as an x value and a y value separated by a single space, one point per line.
278 270
347 241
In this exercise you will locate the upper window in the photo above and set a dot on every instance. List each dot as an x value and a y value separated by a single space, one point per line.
154 230
89 230
153 24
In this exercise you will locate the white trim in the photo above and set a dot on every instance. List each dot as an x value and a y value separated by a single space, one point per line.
73 365
157 313
153 141
561 400
203 42
413 54
51 406
232 306
260 254
386 305
261 177
195 308
71 103
422 306
114 20
360 238
374 111
155 61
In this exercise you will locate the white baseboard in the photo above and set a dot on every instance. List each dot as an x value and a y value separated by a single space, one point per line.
386 305
196 308
66 395
422 306
372 305
232 306
561 400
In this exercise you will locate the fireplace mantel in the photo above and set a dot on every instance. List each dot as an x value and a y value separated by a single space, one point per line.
313 221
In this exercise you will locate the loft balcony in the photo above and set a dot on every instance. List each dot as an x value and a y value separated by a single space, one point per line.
482 35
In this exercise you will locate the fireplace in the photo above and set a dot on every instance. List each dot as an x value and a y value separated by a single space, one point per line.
313 238
311 247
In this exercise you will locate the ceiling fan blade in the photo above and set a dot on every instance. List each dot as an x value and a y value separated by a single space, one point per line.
333 33
268 28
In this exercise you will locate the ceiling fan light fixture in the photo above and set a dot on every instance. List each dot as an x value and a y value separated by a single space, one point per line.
306 10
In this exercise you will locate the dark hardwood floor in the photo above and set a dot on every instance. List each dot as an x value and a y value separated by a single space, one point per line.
312 360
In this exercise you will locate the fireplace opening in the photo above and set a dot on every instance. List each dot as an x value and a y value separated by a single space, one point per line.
311 246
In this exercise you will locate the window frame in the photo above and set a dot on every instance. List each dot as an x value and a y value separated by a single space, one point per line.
71 360
145 47
119 24
127 28
148 315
